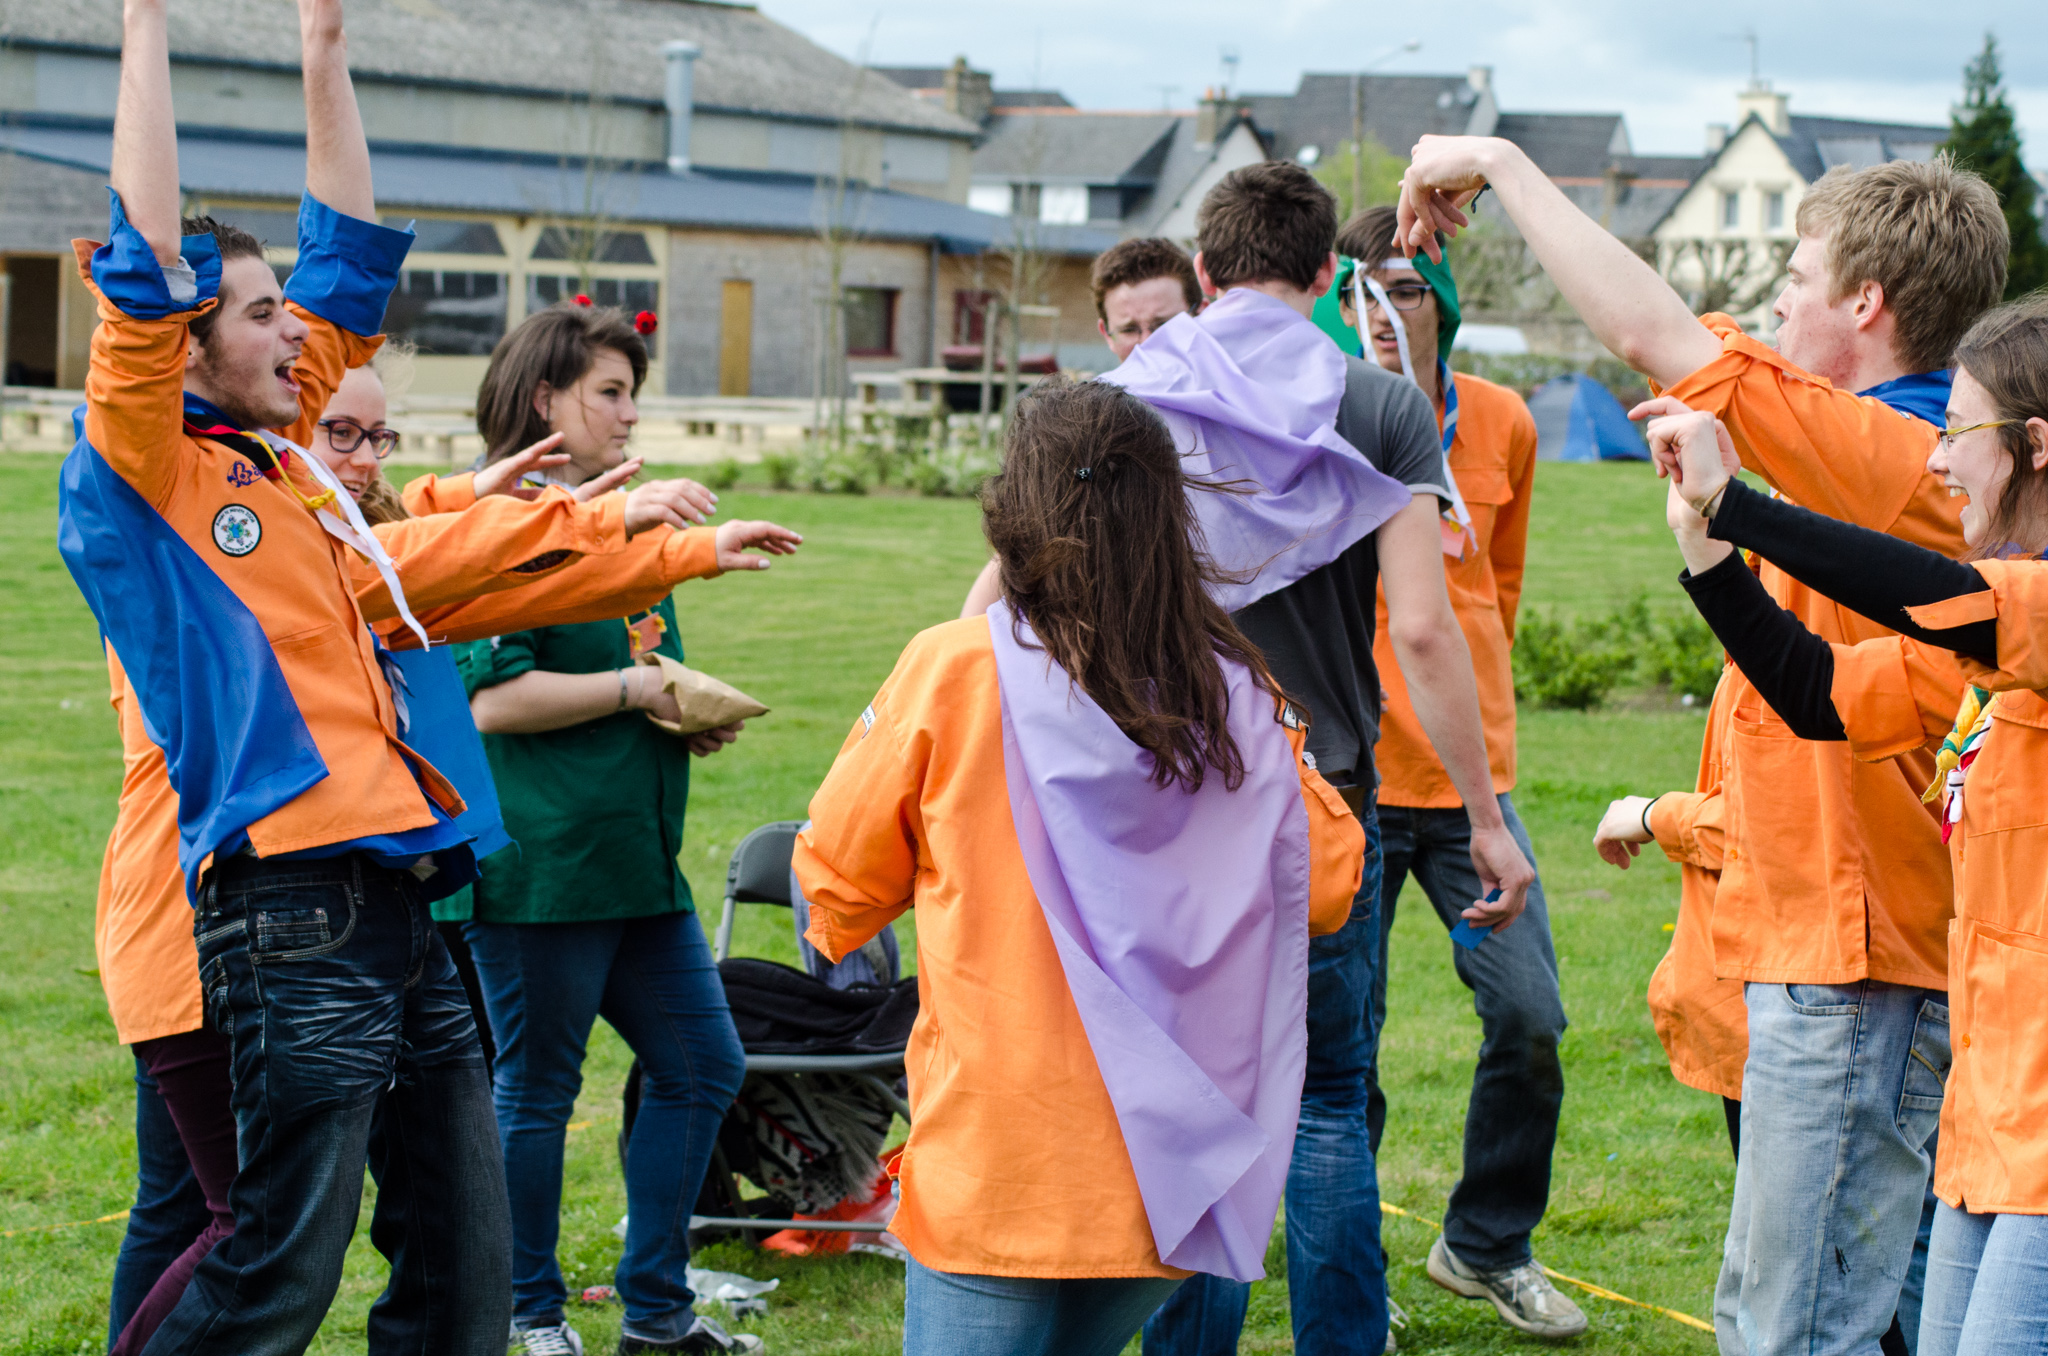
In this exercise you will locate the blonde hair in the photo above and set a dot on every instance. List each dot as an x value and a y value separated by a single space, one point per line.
393 364
1931 235
381 502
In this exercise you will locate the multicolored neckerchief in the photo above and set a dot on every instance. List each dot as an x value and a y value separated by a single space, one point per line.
1958 752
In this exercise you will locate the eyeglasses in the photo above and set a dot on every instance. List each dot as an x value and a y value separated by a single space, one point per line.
346 435
1949 435
1405 296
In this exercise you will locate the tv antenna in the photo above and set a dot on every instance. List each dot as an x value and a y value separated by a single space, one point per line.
1229 57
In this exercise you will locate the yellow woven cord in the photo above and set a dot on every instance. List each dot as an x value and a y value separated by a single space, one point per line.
69 1224
1970 716
1587 1286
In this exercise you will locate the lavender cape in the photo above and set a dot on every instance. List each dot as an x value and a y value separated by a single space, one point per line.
1250 389
1182 926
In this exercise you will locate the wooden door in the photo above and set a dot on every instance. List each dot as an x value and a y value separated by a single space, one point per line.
736 339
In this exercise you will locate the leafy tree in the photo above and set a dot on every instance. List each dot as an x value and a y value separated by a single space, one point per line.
1984 137
1383 170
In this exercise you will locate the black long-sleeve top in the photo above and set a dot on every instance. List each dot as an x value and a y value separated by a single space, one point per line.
1865 571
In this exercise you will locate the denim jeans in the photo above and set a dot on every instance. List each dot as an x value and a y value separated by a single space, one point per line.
653 979
949 1314
1336 1273
1841 1096
1518 1086
169 1211
1987 1285
344 1012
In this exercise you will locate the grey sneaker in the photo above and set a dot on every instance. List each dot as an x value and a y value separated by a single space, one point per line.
703 1336
553 1339
1524 1295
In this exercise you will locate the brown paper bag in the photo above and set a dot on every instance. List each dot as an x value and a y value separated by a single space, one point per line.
706 703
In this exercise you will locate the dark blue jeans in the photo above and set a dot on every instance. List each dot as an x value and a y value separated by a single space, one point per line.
169 1211
1336 1273
345 1015
653 979
1518 1087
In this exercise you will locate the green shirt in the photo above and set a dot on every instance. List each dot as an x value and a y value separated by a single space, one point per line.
596 809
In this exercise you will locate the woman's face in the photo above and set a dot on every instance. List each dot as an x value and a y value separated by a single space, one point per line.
595 416
356 408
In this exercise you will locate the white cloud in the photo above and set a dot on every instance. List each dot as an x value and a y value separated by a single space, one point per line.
1659 64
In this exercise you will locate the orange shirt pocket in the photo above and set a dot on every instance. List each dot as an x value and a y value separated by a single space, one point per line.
2004 787
2001 1049
1483 484
1772 767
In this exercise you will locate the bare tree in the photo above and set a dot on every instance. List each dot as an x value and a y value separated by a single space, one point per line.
841 205
1735 276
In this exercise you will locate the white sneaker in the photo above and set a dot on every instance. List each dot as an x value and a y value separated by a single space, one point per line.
1524 1295
1397 1317
555 1340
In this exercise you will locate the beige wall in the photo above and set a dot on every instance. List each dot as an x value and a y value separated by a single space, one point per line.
1752 167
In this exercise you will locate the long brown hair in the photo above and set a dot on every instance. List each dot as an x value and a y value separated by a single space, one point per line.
2006 352
555 346
1100 552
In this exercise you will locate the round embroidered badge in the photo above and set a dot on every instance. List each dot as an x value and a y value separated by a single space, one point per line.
236 530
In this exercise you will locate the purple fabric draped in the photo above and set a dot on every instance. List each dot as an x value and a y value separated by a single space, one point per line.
1182 925
1251 389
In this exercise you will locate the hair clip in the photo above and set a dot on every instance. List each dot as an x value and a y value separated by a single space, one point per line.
581 299
1084 473
646 323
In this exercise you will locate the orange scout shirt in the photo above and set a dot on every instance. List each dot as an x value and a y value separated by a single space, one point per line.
1701 1019
1833 870
143 926
1493 457
1015 1165
1891 693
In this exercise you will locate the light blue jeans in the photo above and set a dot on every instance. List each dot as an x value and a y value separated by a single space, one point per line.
950 1314
1987 1285
1840 1100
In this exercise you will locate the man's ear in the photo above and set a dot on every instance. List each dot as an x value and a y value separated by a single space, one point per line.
1325 276
1202 276
1102 328
1868 303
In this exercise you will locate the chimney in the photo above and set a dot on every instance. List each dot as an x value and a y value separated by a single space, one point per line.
969 93
1480 78
1214 115
1717 137
1767 104
681 58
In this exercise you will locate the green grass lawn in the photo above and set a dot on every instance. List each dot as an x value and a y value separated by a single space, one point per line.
1642 1168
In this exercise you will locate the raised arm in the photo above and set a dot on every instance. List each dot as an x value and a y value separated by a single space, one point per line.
144 171
1631 310
337 154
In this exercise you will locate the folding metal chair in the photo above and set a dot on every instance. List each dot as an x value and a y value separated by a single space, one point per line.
759 874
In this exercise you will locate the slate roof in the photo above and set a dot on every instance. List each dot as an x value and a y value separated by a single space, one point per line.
1058 147
749 64
1399 109
1567 145
221 166
1817 145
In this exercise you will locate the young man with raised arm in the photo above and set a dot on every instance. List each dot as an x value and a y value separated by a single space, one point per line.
1834 897
220 565
1346 476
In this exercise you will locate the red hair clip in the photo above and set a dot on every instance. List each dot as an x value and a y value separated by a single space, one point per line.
581 299
645 323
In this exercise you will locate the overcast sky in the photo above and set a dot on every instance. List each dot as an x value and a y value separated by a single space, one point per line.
1670 72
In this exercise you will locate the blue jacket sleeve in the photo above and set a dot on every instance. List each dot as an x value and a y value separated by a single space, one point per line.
347 267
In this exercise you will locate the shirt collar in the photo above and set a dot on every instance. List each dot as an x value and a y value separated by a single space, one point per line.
1922 395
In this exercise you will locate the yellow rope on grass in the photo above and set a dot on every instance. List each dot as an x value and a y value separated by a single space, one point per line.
71 1224
1587 1286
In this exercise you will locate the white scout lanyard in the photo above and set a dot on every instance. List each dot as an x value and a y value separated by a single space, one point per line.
355 532
1360 284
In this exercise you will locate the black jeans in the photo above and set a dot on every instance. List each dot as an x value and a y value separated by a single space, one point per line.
346 1017
1518 1087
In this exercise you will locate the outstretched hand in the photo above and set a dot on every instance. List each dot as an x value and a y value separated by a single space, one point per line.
736 538
503 477
1444 175
675 503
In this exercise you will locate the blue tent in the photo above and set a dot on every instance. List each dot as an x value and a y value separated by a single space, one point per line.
1578 419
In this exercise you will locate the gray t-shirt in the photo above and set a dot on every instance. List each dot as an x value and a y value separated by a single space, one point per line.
1317 632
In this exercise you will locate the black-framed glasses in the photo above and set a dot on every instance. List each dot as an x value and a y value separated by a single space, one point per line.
346 435
1405 296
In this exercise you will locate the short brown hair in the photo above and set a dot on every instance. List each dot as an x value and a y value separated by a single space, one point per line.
2006 353
233 243
1269 222
1100 553
1931 235
1141 260
555 346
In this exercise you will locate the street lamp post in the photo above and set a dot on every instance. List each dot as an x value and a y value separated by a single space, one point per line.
1358 116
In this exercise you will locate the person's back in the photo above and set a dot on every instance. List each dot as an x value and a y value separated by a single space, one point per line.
1085 793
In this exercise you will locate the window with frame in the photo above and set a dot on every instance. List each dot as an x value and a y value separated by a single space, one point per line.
631 295
604 247
870 322
1774 210
1731 211
448 311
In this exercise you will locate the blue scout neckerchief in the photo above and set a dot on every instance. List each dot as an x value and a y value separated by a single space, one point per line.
1923 395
